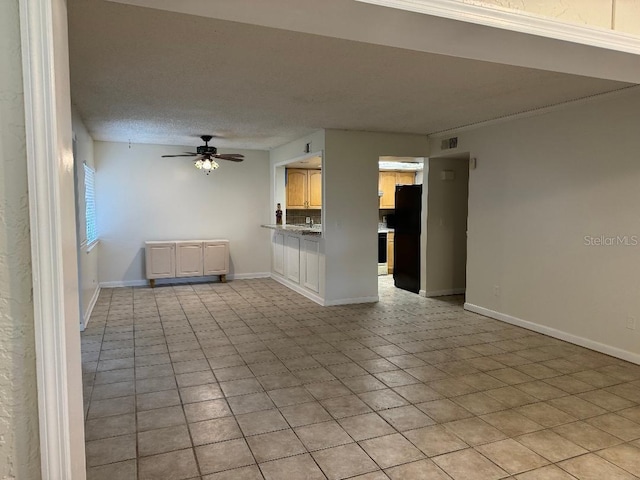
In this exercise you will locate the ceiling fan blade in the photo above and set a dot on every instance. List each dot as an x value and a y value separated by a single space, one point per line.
186 155
233 157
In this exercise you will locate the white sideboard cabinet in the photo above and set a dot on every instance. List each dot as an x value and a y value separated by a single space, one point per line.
186 258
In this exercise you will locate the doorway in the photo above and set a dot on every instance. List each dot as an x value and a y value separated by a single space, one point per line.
399 185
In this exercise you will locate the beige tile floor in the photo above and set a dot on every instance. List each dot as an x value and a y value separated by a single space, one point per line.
249 380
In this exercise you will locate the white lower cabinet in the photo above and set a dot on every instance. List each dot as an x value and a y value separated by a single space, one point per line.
312 265
160 259
298 262
278 253
293 259
216 258
190 258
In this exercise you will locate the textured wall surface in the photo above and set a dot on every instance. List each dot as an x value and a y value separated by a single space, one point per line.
19 442
622 16
597 13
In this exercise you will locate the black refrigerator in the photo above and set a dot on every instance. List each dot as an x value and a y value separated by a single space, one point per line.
407 227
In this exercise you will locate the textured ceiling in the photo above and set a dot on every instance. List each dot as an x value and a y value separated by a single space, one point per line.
150 76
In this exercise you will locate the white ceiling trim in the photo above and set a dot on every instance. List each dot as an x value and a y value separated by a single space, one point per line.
523 22
535 112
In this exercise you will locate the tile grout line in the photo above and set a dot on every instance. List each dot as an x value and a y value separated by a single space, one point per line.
303 323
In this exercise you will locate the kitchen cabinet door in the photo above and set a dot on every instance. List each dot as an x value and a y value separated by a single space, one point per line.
293 259
315 189
390 252
216 258
405 178
297 188
387 182
160 260
387 185
189 259
312 265
278 253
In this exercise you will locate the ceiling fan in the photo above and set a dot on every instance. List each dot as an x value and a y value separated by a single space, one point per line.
206 156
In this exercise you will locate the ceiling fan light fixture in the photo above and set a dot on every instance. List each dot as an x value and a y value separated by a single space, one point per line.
205 155
206 165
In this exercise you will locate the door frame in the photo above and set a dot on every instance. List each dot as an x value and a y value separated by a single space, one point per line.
61 447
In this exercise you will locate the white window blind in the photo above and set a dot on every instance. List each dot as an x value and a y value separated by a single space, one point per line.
90 204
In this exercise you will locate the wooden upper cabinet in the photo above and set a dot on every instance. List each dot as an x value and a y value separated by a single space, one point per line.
315 188
304 189
297 191
387 182
387 185
405 178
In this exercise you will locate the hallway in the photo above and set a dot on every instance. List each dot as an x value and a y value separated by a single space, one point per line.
249 380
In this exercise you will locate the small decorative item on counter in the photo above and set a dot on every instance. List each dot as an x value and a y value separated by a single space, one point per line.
278 214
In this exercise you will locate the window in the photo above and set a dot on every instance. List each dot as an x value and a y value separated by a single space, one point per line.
90 204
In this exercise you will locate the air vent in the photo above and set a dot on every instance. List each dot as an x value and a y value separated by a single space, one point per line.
448 143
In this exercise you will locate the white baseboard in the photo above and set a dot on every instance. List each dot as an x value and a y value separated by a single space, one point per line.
351 301
87 313
124 283
442 293
166 281
298 289
249 276
559 334
317 298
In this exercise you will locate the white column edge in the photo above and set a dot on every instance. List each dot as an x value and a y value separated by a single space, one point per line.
36 26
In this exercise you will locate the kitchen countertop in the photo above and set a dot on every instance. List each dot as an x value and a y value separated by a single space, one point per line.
302 230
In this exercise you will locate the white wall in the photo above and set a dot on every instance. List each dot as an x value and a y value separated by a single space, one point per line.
141 196
446 254
87 259
350 207
19 448
541 185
